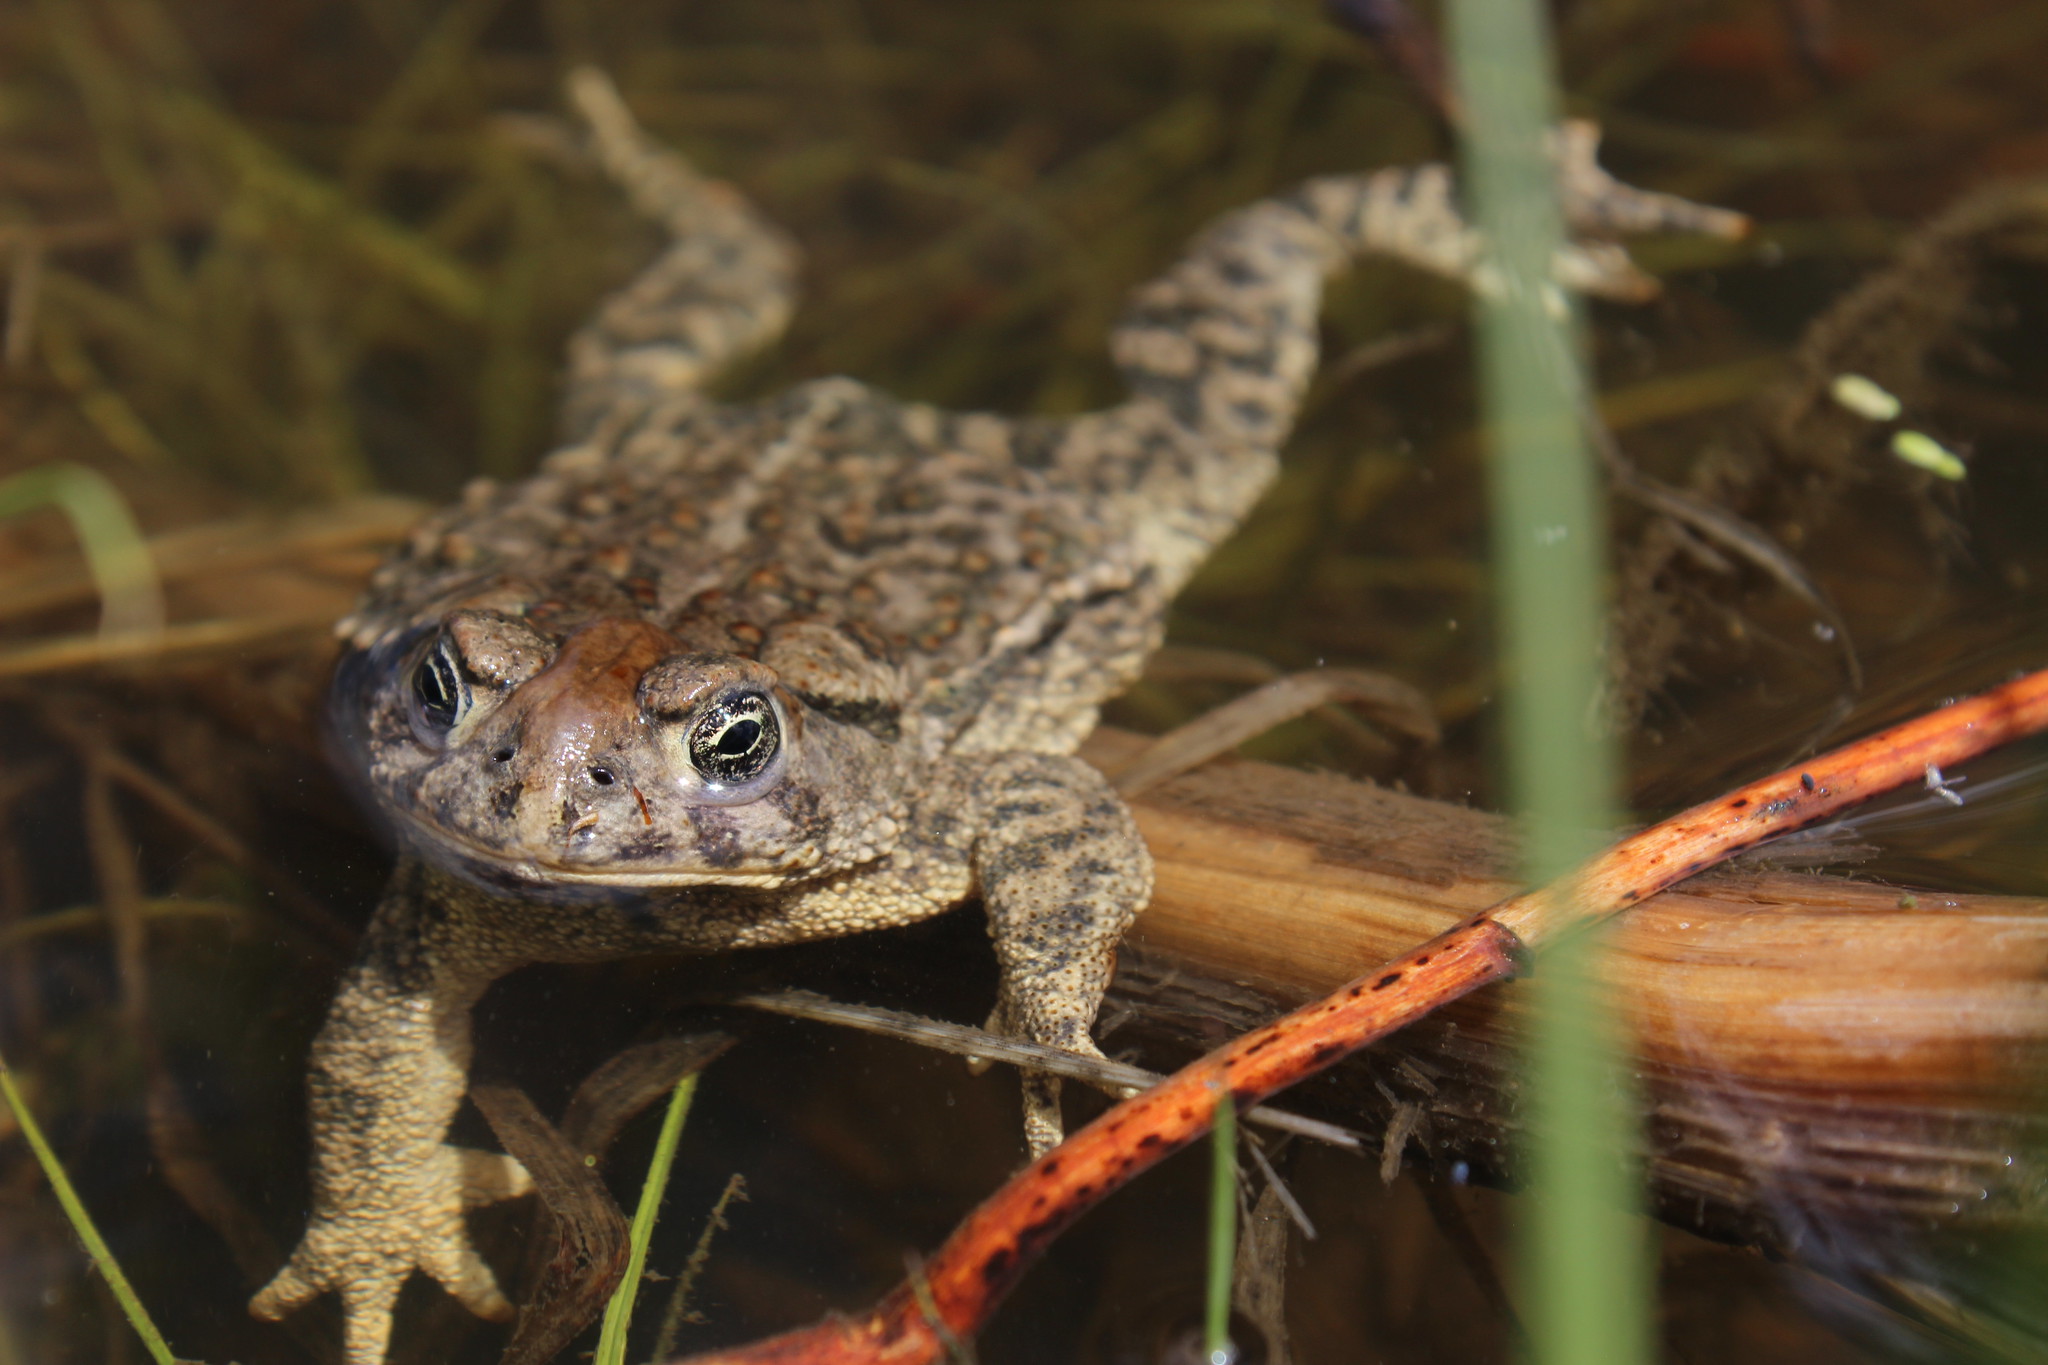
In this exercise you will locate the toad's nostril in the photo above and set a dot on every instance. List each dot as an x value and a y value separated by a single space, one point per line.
503 755
602 776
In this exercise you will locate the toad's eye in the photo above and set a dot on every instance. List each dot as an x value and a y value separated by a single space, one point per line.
735 738
440 697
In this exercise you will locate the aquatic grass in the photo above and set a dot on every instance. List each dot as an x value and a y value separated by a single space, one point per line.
212 265
116 555
245 290
618 1313
368 281
271 183
1584 1273
439 64
82 1224
1217 1348
80 919
679 1311
107 92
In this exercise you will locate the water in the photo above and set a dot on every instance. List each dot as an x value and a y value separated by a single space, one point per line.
975 187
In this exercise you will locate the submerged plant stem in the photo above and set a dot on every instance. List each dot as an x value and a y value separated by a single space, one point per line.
618 1314
117 556
82 1224
679 1311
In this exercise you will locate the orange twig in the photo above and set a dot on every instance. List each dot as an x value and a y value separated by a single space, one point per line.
1671 850
987 1253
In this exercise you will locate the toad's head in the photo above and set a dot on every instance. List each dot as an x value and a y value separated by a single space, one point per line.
610 757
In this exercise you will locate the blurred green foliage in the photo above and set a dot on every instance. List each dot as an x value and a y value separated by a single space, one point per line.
307 248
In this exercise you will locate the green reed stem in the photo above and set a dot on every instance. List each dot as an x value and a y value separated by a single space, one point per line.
82 1224
618 1314
1216 1345
1583 1276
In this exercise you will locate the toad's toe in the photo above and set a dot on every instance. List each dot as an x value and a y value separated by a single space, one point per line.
1043 1127
487 1177
463 1273
366 1312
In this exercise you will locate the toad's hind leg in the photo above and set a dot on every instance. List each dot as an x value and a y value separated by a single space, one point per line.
1063 871
1219 349
724 286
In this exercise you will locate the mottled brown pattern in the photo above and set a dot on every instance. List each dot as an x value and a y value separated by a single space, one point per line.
722 675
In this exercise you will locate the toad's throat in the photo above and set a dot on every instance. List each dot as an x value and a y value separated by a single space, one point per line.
545 866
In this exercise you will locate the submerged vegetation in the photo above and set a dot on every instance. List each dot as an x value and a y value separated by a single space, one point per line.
285 258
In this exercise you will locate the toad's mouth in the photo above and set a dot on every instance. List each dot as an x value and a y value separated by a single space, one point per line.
457 852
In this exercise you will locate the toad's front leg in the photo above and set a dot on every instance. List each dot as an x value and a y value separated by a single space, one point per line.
1064 871
387 1072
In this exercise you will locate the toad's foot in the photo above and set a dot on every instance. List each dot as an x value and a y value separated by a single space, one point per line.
1063 871
1044 1129
367 1240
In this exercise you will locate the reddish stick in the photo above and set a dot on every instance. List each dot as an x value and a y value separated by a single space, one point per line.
990 1250
987 1253
1671 850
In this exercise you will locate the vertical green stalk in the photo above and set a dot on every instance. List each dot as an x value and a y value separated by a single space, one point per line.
618 1314
1585 1260
1216 1344
1584 1278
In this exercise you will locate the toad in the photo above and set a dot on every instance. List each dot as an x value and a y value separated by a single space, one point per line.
721 675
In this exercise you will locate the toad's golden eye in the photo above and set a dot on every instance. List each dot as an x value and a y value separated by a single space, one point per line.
735 738
440 696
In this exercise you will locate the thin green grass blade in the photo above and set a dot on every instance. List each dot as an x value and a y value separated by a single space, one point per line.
618 1314
82 1224
1583 1274
131 599
1216 1344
